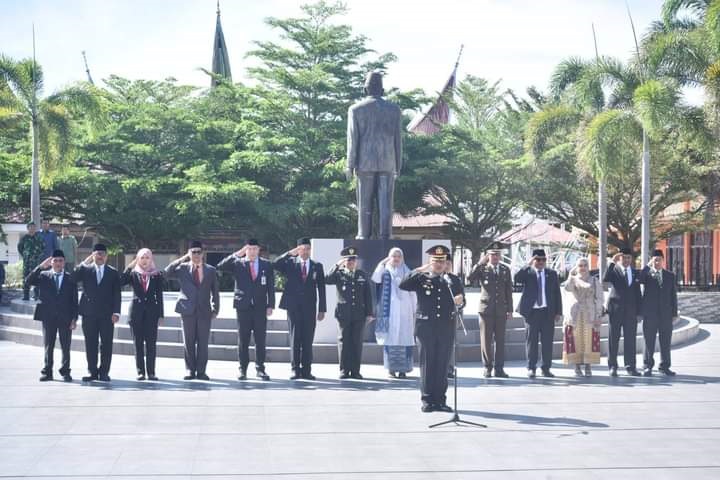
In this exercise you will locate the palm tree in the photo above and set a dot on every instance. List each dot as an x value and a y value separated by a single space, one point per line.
685 46
51 119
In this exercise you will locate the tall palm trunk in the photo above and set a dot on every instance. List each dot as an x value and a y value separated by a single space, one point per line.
645 235
35 170
602 228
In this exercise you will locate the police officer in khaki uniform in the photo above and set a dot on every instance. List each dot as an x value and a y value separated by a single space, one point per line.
495 308
434 326
354 309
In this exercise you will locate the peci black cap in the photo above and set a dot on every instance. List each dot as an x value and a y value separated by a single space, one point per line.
658 253
303 241
196 244
252 242
539 253
58 254
99 247
349 252
626 251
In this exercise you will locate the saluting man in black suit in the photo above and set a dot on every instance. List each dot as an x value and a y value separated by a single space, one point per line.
254 302
100 310
624 310
541 305
659 312
304 300
57 309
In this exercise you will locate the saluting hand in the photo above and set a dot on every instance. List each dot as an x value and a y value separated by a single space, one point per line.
617 257
90 258
294 252
46 263
241 252
484 260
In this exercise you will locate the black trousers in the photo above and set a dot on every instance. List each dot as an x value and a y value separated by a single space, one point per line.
145 333
302 319
652 328
196 337
540 326
434 346
252 321
101 328
627 326
51 330
350 344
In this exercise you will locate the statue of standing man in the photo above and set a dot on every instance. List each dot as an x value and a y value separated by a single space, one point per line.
374 154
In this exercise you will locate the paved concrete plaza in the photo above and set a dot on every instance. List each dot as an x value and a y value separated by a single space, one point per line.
372 429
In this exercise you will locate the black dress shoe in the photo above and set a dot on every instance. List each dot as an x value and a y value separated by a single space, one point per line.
392 375
152 377
647 372
613 372
633 372
501 374
296 376
202 376
402 375
242 376
67 378
547 373
308 376
487 373
104 378
344 375
427 408
46 377
451 375
189 376
531 373
443 408
141 376
90 378
667 372
262 375
356 376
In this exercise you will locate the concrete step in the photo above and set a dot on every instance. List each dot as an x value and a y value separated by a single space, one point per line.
23 329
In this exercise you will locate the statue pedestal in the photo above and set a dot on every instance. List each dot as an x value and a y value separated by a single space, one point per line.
327 252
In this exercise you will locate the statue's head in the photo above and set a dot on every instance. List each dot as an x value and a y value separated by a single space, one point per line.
374 84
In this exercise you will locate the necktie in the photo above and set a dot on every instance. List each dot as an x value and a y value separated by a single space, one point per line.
196 275
627 276
57 282
99 275
539 289
253 273
304 271
658 275
496 270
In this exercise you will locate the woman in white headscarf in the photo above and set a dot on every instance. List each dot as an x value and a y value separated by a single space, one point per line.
395 314
582 318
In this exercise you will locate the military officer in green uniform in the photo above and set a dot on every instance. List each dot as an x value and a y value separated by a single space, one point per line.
32 250
434 326
495 308
354 309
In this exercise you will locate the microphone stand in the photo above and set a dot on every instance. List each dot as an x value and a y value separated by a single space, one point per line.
456 417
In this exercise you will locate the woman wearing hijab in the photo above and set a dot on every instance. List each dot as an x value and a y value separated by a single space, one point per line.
146 309
396 314
582 319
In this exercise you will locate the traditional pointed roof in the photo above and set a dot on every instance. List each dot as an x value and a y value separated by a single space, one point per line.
220 60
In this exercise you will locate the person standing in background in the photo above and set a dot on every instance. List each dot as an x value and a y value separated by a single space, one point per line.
50 238
31 248
69 245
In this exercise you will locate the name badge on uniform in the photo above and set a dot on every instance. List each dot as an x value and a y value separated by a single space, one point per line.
263 280
486 282
343 288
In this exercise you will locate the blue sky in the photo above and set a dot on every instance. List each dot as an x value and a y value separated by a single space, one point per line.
518 41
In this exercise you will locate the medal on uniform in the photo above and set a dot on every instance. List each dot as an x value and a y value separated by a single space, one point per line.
427 292
486 282
263 280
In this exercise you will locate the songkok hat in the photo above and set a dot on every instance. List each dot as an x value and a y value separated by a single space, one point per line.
539 253
58 253
658 253
196 244
99 247
303 241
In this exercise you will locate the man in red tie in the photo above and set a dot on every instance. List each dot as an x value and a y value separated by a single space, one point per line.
254 301
304 300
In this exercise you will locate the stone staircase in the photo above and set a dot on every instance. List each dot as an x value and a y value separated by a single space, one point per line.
17 324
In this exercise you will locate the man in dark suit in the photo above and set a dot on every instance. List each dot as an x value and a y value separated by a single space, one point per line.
355 307
623 309
198 304
100 310
659 312
254 302
541 305
57 309
304 300
495 308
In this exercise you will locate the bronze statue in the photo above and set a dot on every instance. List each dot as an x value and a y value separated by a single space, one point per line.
374 155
